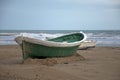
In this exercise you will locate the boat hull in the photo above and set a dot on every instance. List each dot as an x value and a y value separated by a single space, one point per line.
41 51
87 44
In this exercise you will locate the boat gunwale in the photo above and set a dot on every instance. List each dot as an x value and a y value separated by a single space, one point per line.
52 43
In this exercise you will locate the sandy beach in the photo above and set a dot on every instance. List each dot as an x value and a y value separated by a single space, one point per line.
100 63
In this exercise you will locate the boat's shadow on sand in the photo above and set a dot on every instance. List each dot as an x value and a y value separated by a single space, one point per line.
43 61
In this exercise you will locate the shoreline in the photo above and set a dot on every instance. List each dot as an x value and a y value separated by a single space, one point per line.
100 63
97 46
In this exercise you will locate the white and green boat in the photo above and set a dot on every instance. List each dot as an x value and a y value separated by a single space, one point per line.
62 46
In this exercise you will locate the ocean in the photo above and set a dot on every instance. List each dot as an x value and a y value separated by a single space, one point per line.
102 37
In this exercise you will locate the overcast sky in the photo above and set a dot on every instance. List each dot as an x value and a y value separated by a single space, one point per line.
60 14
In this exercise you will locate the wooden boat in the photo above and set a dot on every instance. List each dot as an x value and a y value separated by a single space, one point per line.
87 44
65 45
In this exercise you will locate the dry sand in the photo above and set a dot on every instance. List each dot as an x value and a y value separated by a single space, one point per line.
100 63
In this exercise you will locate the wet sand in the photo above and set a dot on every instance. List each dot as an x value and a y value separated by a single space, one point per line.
100 63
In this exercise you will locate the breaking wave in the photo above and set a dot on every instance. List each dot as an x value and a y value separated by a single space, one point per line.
103 38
